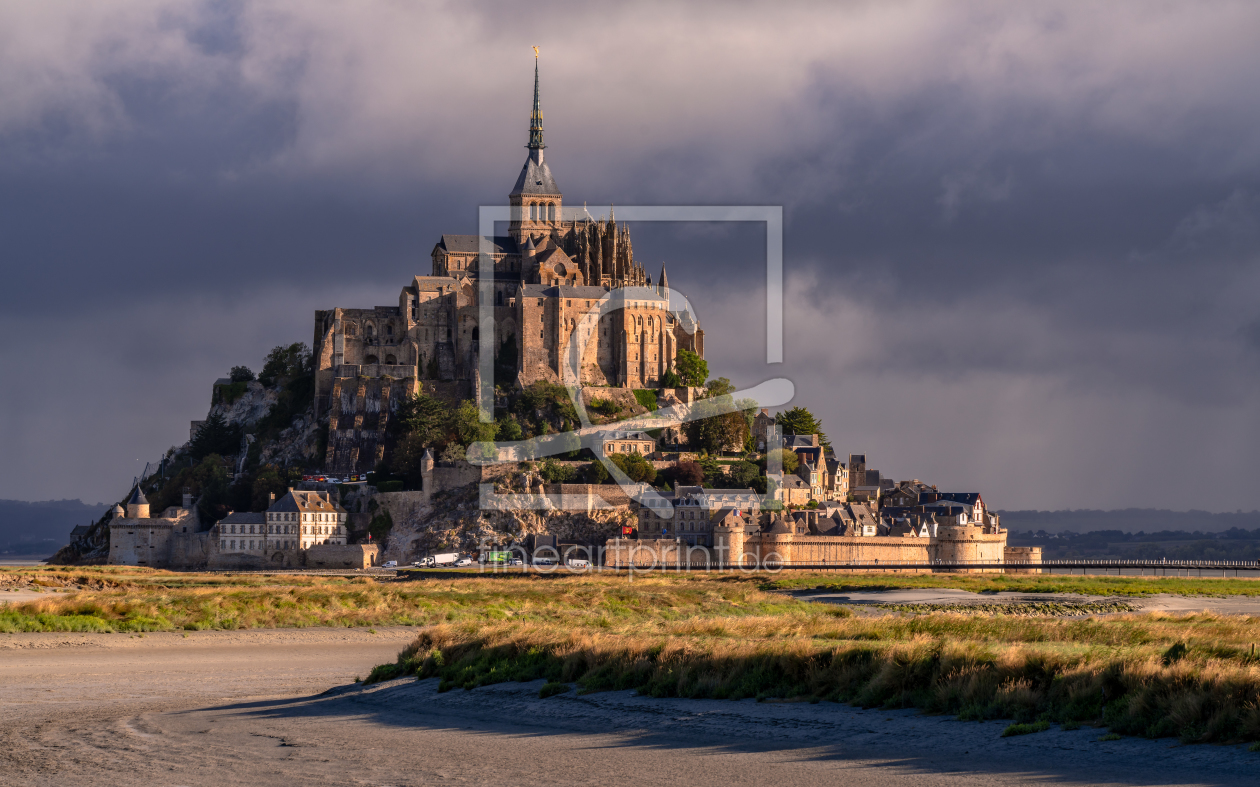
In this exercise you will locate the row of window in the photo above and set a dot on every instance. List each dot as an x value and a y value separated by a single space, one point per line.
285 516
284 529
542 211
229 544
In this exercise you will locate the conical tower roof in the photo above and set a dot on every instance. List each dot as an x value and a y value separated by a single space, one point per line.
137 498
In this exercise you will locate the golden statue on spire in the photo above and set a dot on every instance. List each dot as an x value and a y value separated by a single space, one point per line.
535 53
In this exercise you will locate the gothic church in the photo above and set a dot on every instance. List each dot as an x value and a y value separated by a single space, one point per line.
549 276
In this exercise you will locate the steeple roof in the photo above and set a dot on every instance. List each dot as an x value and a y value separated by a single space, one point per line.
535 177
536 119
137 498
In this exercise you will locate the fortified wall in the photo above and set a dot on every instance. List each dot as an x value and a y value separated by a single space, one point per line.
734 547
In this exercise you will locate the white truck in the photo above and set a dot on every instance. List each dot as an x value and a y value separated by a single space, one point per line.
444 559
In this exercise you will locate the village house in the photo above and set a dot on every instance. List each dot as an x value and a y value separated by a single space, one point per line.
627 443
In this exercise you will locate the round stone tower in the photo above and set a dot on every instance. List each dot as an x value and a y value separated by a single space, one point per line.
728 540
137 505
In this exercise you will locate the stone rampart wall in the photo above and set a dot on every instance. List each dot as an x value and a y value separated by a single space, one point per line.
831 551
342 556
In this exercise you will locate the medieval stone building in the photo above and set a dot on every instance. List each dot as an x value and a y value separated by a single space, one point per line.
553 277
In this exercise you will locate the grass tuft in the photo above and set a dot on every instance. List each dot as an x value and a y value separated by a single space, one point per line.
1025 729
552 689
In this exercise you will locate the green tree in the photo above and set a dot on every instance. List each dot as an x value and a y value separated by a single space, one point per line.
671 380
693 369
789 459
216 436
801 421
468 426
422 416
509 428
635 466
407 457
271 480
210 482
719 387
743 473
556 473
718 431
595 473
241 374
285 362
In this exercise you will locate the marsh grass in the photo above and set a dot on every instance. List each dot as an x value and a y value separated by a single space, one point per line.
298 602
1193 676
1200 698
1087 585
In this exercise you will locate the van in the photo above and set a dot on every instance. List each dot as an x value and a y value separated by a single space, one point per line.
390 564
576 563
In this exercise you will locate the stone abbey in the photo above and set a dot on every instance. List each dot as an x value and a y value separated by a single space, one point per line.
550 275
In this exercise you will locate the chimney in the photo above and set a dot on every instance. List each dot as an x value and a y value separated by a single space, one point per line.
271 498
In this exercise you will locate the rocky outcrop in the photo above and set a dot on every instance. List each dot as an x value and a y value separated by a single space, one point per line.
455 521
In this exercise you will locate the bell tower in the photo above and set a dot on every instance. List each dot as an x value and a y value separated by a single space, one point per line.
535 200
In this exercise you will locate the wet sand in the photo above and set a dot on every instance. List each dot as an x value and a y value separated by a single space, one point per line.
277 708
1161 602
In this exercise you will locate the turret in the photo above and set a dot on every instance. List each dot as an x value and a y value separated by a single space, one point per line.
137 505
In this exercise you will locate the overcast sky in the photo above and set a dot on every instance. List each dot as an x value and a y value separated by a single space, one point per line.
1022 240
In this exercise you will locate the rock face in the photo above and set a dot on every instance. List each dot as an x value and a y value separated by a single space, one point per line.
454 521
249 408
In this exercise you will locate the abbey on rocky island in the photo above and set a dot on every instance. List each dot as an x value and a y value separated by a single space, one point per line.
549 274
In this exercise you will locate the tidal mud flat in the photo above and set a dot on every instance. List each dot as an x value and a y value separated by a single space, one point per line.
278 707
951 599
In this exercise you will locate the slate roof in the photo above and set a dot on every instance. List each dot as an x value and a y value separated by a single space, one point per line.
305 503
137 498
779 526
561 291
792 482
244 518
468 244
966 498
535 178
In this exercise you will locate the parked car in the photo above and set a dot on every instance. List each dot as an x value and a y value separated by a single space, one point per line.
464 561
390 564
576 563
516 561
544 561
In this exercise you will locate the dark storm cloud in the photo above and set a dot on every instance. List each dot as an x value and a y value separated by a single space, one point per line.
1021 241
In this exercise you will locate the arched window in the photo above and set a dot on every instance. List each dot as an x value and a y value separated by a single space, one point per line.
391 360
551 211
371 359
533 211
476 335
389 330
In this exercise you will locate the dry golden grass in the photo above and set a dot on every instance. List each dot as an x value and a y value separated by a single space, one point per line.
1195 676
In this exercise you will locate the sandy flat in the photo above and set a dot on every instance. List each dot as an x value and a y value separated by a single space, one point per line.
277 708
1161 602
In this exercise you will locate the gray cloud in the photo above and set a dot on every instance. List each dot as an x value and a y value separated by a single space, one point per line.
1023 240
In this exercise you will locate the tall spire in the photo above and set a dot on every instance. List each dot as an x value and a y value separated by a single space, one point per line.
536 119
663 281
